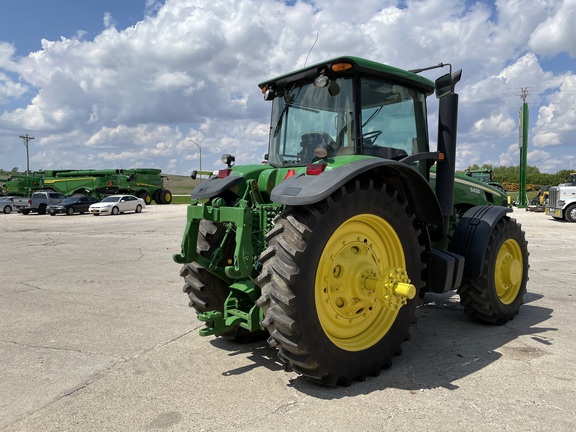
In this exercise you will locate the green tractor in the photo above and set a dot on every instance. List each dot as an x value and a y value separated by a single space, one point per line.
485 175
329 245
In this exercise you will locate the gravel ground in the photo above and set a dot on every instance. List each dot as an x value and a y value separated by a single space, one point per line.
96 335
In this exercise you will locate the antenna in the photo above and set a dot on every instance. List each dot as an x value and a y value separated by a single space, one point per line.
306 61
524 94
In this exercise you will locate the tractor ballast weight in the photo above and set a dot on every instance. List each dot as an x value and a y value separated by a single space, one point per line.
328 246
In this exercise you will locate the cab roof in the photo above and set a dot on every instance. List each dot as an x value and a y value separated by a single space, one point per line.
360 67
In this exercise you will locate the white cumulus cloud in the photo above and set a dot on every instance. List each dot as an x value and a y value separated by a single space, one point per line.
190 68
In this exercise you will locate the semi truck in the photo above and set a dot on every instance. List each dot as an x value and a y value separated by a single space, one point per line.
562 200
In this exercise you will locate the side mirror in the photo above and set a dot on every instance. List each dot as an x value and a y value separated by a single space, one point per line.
446 83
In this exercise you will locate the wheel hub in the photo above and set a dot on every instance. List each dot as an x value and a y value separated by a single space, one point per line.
509 270
361 282
392 287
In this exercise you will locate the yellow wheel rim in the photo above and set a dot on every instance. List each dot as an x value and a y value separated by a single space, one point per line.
509 271
361 282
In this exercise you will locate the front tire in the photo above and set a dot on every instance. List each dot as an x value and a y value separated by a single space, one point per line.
7 210
156 196
164 196
340 283
70 211
115 211
496 296
570 213
146 197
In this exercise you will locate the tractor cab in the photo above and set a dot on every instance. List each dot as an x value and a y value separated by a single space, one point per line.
347 106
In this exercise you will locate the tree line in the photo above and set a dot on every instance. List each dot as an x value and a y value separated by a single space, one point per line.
510 175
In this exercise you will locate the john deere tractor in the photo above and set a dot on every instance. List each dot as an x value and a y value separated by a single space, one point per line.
329 245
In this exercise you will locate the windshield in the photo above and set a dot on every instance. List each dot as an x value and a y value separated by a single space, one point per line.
306 117
111 199
70 200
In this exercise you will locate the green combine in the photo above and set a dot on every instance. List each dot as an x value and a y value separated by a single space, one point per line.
146 183
22 184
328 247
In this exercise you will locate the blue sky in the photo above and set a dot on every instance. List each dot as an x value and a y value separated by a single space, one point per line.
24 23
128 83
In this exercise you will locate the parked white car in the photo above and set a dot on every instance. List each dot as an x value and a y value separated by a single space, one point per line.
115 204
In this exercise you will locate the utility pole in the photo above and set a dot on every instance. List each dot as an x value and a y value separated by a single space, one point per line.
523 145
27 139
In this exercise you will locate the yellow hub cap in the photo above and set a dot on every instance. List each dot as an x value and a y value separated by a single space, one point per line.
508 272
361 282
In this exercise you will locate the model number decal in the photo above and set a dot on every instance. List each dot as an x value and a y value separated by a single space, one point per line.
475 190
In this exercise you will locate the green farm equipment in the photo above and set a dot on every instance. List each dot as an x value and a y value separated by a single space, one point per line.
22 184
146 183
486 176
328 247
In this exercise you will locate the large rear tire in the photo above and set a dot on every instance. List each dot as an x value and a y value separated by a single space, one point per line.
496 296
340 282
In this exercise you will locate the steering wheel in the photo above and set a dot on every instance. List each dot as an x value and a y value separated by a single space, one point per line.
371 136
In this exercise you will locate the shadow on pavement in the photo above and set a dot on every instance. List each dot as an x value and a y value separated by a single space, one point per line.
445 347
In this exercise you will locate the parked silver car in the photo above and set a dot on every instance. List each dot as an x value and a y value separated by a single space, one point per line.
6 204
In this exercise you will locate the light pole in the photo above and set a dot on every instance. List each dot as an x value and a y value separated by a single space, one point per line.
26 139
200 150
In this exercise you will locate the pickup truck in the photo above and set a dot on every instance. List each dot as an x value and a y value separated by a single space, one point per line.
37 202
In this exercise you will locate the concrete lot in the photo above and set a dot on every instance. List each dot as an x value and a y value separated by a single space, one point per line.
96 335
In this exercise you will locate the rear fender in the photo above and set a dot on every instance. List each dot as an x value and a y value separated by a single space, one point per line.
472 235
305 189
214 186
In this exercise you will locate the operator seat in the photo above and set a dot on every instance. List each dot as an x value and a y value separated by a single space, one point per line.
313 140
